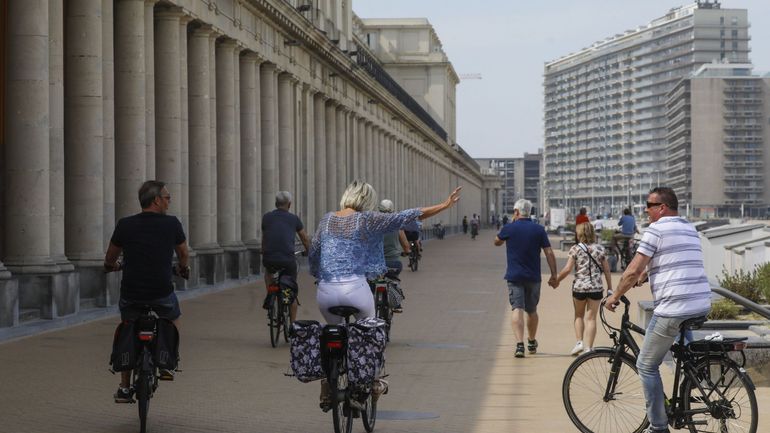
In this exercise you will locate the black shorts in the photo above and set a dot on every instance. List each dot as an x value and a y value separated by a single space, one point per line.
289 266
166 308
412 236
582 296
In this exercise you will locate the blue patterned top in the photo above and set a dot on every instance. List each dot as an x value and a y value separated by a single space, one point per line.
352 245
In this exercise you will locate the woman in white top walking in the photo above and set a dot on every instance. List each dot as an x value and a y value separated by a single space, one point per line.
589 261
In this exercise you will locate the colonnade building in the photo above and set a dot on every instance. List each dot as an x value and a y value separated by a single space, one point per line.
605 105
228 101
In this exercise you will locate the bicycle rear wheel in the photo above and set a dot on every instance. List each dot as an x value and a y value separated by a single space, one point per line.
143 385
286 321
274 320
584 388
338 387
729 404
369 414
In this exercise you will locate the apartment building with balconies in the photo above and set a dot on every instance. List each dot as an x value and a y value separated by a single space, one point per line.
605 105
718 141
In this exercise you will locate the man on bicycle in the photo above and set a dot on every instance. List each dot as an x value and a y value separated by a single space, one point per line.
391 242
148 241
627 225
670 249
279 228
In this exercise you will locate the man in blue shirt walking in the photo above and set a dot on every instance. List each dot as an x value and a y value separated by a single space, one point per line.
524 239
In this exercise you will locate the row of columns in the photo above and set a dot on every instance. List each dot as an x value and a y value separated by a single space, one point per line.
168 98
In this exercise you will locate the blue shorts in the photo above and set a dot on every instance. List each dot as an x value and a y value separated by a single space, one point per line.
166 308
524 294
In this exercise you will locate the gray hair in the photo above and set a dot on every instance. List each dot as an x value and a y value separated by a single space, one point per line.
359 196
282 199
149 191
524 207
387 206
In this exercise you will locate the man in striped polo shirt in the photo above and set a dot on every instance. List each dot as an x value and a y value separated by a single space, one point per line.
670 251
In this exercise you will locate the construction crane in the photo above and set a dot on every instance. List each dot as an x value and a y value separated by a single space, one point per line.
474 76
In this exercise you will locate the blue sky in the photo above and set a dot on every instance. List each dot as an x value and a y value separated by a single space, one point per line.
508 41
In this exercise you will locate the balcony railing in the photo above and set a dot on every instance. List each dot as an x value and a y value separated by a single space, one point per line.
373 68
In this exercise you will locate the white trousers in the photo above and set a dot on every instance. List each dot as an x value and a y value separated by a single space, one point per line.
349 291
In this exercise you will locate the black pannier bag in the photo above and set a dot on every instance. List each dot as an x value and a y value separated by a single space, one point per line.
305 350
165 354
125 347
288 282
366 352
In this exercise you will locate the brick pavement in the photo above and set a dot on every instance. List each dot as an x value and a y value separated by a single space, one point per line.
450 357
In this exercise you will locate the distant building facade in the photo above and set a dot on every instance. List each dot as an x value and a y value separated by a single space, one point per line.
605 106
519 177
718 138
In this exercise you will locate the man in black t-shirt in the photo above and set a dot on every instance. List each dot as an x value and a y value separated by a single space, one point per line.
147 241
279 228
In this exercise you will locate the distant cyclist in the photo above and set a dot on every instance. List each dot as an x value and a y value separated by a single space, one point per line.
627 225
391 242
148 241
279 228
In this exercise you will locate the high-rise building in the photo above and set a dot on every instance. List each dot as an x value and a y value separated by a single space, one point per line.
605 105
520 178
717 142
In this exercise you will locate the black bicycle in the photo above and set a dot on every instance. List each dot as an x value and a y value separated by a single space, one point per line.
281 294
711 392
627 251
145 374
334 339
414 256
384 288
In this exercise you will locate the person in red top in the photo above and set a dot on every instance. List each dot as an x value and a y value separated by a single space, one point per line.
582 216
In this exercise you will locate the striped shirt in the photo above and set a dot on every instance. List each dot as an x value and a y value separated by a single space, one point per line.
677 276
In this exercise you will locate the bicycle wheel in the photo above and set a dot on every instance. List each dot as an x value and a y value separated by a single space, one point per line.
383 311
286 321
338 387
369 414
584 387
729 403
274 320
143 384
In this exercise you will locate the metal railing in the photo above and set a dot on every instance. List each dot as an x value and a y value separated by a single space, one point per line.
740 300
373 68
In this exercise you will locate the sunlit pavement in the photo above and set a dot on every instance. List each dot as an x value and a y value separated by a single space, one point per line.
450 362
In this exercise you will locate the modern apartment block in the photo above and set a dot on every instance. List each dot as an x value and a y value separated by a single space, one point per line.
605 105
717 141
520 178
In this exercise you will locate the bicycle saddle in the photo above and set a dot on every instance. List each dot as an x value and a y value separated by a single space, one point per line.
343 311
694 323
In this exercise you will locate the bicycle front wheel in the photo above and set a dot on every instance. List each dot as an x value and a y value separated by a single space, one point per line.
729 403
274 320
585 386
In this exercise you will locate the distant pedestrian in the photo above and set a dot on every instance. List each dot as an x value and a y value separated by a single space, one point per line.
474 227
523 240
497 222
589 261
505 219
465 224
582 216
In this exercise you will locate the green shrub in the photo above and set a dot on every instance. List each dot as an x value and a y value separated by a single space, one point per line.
763 280
744 283
606 235
724 309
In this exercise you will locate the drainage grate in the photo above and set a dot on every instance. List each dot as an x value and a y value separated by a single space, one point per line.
401 415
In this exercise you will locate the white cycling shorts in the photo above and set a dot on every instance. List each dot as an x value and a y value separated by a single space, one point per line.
350 291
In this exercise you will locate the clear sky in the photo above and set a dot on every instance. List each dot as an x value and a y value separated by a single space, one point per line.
508 41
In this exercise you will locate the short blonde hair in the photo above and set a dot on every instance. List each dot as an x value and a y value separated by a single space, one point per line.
359 196
584 232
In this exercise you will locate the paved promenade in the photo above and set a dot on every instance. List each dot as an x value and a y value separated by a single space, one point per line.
450 360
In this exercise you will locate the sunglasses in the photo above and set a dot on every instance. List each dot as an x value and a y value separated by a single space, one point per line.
651 204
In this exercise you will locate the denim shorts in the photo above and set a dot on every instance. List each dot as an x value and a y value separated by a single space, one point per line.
166 307
524 294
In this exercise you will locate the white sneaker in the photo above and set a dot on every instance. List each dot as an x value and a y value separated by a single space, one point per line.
588 349
577 349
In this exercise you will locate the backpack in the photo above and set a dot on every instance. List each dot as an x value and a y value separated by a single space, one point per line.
305 350
125 347
366 352
584 248
165 353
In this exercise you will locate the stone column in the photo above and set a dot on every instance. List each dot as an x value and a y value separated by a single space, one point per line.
377 164
226 154
319 123
267 102
342 154
213 141
108 164
149 67
361 145
56 128
209 260
130 105
184 122
250 219
286 134
27 162
84 145
308 187
332 199
369 152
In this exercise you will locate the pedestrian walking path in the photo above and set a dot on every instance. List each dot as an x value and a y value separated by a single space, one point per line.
450 362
